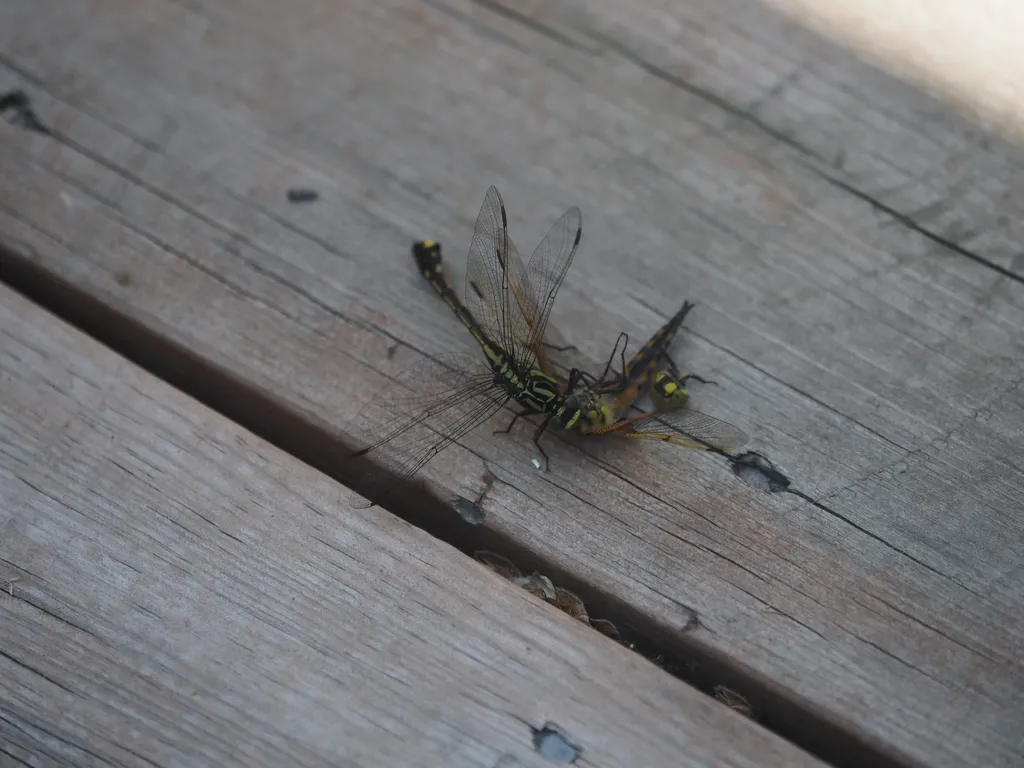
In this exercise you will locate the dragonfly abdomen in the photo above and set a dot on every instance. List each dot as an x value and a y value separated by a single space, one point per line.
649 355
428 259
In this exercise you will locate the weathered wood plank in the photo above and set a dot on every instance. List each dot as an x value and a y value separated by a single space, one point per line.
861 350
942 177
188 595
968 53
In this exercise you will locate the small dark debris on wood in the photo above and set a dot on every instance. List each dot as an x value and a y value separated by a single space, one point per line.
541 586
302 195
569 603
538 585
757 472
500 565
472 511
605 627
468 510
733 701
17 106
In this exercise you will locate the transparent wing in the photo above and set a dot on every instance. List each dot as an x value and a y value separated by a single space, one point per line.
427 408
546 271
511 301
493 295
685 428
526 303
523 315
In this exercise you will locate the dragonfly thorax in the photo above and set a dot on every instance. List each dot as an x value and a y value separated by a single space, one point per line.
539 392
532 389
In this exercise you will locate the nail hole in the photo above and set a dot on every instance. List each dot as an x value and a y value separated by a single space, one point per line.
553 746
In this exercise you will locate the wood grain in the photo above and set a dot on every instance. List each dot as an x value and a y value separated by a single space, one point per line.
189 595
969 53
853 245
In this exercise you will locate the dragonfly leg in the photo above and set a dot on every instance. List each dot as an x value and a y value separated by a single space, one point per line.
674 370
600 384
670 364
623 381
515 418
566 348
621 352
536 440
695 377
575 377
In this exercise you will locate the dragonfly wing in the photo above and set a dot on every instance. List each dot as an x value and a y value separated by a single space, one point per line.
547 268
686 428
525 320
423 411
499 292
493 294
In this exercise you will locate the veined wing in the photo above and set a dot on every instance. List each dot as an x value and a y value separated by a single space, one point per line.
489 295
427 255
546 271
522 291
525 302
685 428
512 301
436 402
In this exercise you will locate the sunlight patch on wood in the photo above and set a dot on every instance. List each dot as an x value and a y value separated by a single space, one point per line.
969 52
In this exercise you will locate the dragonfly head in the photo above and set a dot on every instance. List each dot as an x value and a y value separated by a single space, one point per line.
569 412
667 392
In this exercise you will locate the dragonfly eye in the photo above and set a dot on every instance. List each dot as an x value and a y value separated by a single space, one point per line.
569 412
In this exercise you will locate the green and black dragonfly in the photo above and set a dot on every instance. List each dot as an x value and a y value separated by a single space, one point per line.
508 305
652 369
506 311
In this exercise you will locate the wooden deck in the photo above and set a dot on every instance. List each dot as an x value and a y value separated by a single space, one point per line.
184 350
